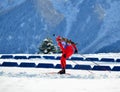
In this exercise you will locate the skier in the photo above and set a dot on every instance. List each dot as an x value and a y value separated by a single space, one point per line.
68 48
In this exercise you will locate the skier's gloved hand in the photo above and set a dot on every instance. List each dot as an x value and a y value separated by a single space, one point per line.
76 51
64 55
58 38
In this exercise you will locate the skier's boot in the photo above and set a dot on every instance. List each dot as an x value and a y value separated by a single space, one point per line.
61 71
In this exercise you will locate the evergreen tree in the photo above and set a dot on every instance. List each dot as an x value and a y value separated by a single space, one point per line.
47 47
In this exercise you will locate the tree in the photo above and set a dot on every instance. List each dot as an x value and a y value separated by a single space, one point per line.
47 47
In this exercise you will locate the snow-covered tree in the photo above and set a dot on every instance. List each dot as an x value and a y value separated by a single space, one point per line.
47 47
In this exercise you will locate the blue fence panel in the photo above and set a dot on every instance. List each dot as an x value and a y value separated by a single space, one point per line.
49 57
72 58
82 67
6 56
77 58
45 65
91 59
107 60
10 64
68 66
34 57
20 57
116 68
58 66
118 60
101 68
58 58
25 64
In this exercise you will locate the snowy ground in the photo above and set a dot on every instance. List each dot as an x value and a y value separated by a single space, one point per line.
17 79
38 80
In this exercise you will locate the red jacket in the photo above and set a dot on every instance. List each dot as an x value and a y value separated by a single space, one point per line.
64 46
67 48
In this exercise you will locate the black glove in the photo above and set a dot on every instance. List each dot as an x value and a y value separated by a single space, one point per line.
64 55
76 51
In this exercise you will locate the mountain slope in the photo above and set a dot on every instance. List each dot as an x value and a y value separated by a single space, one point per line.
92 24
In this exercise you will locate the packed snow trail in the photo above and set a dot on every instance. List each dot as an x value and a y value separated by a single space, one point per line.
46 73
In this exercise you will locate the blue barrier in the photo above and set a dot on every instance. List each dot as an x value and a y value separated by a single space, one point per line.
6 56
107 60
77 58
58 66
68 66
34 57
72 58
20 57
82 67
118 60
45 65
116 68
91 59
101 68
58 58
10 64
25 64
49 57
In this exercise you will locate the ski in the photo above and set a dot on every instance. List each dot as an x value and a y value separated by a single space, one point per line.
57 73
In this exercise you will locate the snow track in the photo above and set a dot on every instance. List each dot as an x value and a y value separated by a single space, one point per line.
46 73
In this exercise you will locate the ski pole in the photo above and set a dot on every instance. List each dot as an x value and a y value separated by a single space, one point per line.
96 64
90 60
86 70
54 35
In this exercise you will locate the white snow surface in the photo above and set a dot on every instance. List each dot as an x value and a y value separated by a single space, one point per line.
16 79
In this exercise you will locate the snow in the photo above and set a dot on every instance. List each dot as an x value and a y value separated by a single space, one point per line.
37 80
59 85
16 79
